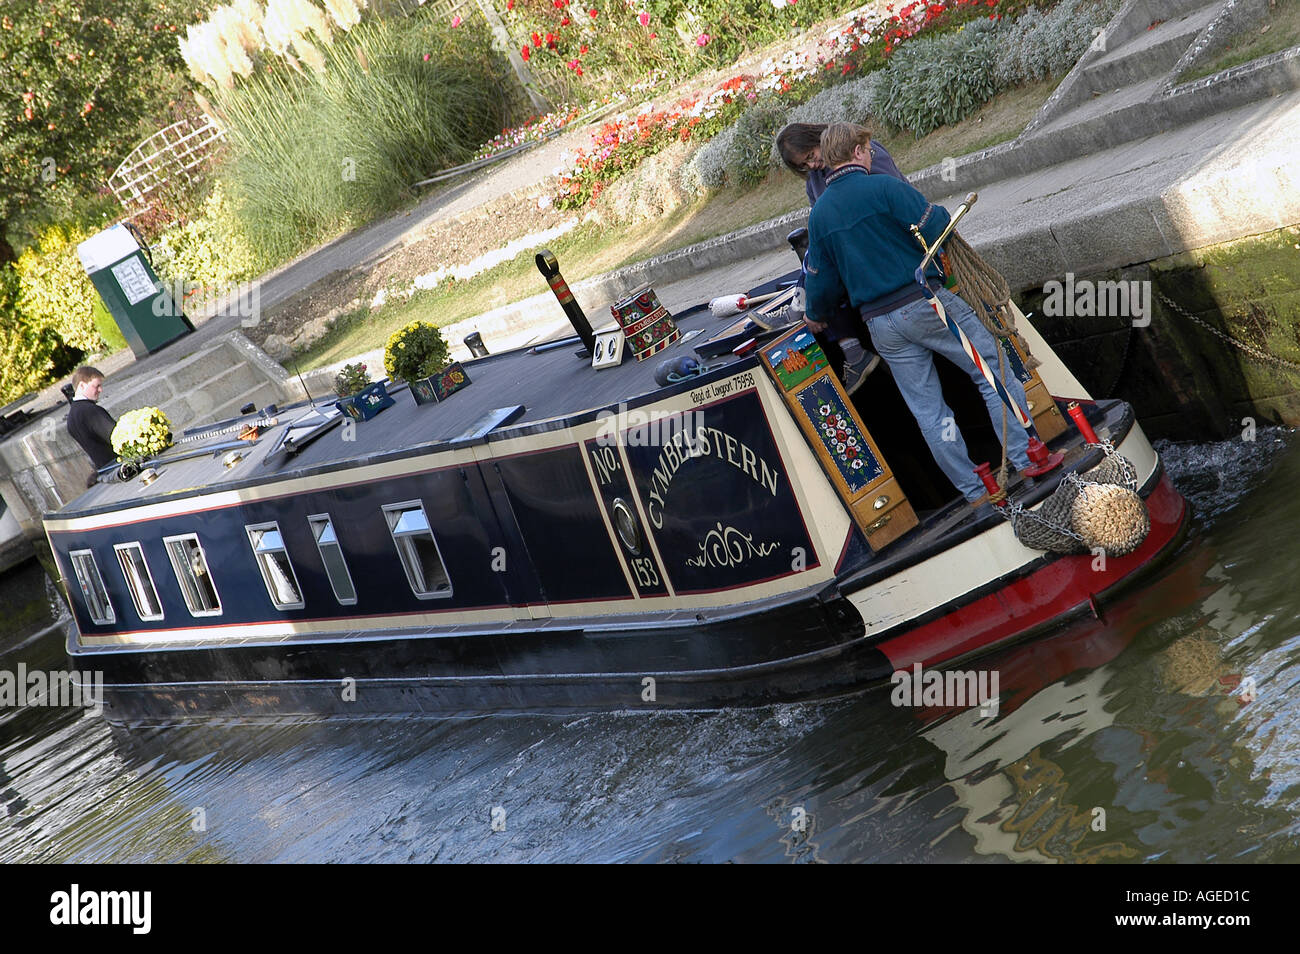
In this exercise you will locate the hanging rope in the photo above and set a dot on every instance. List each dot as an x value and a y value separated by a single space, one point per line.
986 291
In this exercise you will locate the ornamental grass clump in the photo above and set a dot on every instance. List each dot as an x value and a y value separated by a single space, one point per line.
353 379
141 433
416 351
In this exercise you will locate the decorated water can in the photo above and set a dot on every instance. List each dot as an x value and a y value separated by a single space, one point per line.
646 324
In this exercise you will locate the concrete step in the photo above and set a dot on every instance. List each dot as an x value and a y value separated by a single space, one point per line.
1151 53
1102 105
1129 29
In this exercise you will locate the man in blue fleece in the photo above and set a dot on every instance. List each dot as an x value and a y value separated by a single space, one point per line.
860 244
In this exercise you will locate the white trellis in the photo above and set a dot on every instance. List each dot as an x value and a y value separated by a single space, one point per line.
171 153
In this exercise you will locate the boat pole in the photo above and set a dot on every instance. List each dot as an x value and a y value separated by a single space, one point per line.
1041 461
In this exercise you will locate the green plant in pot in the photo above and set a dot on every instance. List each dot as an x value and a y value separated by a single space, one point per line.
359 397
418 354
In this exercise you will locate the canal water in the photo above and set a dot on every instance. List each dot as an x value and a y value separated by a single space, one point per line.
1167 730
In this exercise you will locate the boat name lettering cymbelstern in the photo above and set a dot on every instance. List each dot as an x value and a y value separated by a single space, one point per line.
704 442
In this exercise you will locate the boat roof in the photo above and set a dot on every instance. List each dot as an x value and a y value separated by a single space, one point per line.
551 384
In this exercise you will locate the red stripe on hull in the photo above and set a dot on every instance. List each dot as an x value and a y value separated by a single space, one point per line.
1049 593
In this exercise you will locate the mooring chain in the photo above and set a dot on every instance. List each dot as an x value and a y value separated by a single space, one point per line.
1249 349
1123 360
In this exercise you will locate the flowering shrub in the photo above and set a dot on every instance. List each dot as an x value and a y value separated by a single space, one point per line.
416 351
351 380
867 43
535 129
578 47
621 144
917 99
141 433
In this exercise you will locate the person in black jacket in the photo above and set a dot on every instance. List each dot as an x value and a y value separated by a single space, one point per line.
88 423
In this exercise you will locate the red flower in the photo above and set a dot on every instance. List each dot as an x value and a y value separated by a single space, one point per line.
537 40
643 18
524 52
578 70
550 41
582 50
510 4
847 67
593 13
564 22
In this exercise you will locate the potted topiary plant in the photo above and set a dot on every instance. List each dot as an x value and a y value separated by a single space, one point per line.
418 355
359 397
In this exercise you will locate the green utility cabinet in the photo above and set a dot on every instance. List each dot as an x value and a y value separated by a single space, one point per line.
147 314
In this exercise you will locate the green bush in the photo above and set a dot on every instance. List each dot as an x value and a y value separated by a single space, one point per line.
398 100
56 292
846 103
29 354
933 82
1039 45
108 329
211 248
756 130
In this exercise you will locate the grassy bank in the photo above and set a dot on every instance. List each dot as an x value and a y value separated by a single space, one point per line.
1280 32
593 249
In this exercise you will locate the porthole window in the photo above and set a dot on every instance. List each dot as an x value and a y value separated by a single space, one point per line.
139 581
191 568
331 554
93 592
277 570
418 549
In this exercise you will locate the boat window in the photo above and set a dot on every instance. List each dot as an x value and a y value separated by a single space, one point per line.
192 573
273 560
418 549
331 554
130 557
98 605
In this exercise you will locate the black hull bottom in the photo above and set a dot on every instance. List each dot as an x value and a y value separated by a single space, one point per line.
807 650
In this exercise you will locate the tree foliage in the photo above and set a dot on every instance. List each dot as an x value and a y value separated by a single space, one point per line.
81 81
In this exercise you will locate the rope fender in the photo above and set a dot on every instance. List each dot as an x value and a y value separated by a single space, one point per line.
1101 510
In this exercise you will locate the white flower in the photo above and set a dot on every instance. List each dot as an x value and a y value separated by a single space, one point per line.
778 3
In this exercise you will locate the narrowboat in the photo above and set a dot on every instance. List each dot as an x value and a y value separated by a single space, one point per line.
569 534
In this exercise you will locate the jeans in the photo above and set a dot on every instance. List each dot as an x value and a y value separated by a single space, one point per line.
907 339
